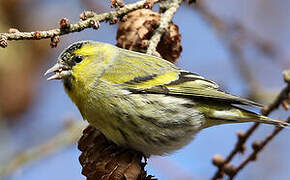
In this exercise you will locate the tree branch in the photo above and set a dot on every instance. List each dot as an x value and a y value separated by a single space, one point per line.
257 147
163 27
68 136
89 20
223 164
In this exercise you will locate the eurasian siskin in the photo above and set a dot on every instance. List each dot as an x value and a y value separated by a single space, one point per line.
144 102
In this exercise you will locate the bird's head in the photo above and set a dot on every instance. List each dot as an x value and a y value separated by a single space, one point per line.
82 61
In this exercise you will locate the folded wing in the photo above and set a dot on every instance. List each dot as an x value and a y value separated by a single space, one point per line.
142 73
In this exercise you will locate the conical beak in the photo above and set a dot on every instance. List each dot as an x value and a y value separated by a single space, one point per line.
60 72
54 68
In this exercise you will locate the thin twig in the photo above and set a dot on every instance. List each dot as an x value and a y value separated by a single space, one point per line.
68 136
234 37
91 22
163 27
239 147
223 30
282 97
235 43
257 146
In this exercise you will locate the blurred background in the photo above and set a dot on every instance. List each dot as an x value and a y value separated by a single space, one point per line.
242 45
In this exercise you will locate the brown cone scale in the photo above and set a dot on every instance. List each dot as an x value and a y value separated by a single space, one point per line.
102 159
136 29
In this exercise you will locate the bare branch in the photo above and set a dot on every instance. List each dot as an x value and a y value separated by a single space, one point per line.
234 36
283 97
257 147
67 137
91 21
239 147
163 27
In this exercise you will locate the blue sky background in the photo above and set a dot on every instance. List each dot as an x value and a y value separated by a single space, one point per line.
204 53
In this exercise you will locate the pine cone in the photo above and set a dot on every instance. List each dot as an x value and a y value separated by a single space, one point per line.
102 159
137 28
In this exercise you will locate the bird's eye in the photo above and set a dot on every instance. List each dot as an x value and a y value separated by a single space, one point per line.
78 59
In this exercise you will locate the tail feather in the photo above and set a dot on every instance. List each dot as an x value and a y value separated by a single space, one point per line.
239 115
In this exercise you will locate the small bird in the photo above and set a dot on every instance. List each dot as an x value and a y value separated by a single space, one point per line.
144 102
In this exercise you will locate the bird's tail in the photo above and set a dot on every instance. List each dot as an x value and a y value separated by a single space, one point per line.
239 115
